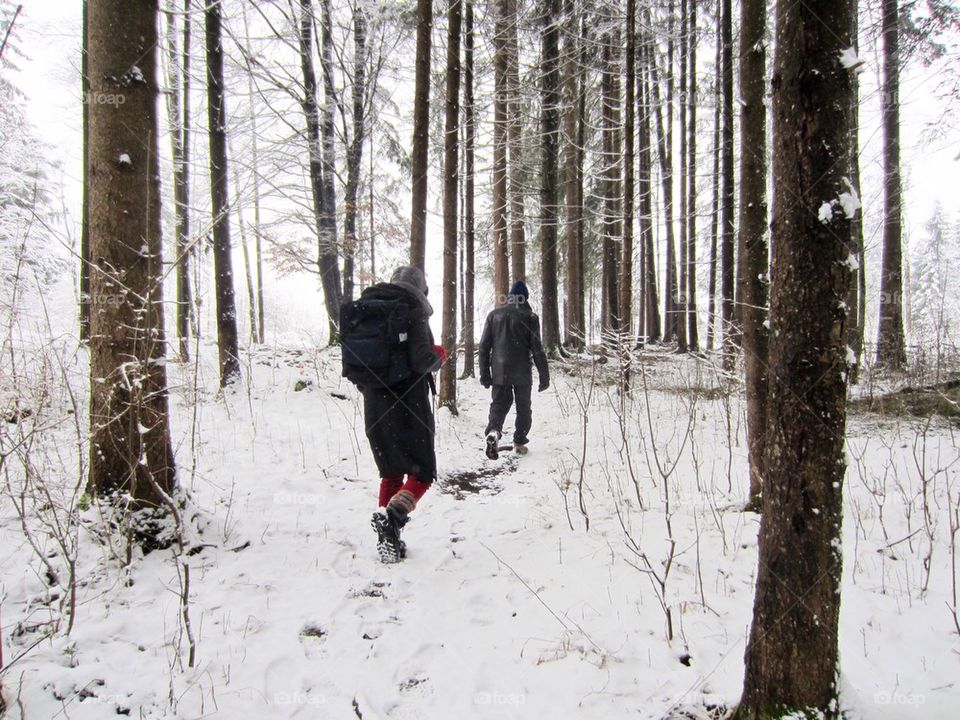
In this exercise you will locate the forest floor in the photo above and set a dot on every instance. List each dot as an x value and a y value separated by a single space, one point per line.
608 573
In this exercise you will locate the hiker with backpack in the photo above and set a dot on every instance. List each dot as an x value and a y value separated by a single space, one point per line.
511 337
389 353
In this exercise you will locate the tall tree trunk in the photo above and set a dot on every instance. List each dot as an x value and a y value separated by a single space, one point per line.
857 299
693 334
581 160
753 227
355 151
670 288
328 217
626 259
792 654
84 288
327 262
501 260
421 136
373 234
550 188
731 332
178 109
610 122
648 270
219 189
130 450
248 274
684 209
715 214
255 159
258 235
573 317
245 251
451 162
727 236
470 133
891 347
518 247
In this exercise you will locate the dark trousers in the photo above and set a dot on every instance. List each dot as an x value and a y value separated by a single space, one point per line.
503 397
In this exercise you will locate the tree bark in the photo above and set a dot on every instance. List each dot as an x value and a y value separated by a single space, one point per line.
715 214
85 257
327 262
470 132
328 216
665 155
550 188
258 234
130 450
684 199
792 655
355 151
421 136
625 301
518 246
730 332
610 122
693 334
219 194
891 345
448 372
247 272
753 227
178 108
255 158
651 303
574 334
501 260
856 299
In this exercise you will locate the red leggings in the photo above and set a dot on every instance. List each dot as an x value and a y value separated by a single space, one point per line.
392 484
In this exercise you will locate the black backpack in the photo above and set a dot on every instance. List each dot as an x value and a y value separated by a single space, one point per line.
373 337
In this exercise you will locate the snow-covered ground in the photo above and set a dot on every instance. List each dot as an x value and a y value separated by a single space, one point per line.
508 605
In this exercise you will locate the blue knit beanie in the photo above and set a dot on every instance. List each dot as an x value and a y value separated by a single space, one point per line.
520 290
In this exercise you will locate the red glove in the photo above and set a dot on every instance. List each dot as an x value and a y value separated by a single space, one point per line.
441 352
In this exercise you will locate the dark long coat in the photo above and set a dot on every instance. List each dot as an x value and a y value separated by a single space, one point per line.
510 340
399 420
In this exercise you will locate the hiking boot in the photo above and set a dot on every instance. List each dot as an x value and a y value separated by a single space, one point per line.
493 445
520 448
390 547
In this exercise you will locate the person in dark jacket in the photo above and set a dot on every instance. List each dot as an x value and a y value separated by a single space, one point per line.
511 337
399 420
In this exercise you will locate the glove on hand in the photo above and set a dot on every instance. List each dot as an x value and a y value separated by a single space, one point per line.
544 384
441 352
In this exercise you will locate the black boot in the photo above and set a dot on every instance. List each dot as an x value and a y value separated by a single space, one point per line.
387 525
493 444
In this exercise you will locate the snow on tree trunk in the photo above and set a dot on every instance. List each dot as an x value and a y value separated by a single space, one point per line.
792 654
130 449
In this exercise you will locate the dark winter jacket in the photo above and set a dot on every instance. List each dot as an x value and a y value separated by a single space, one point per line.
399 420
511 337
